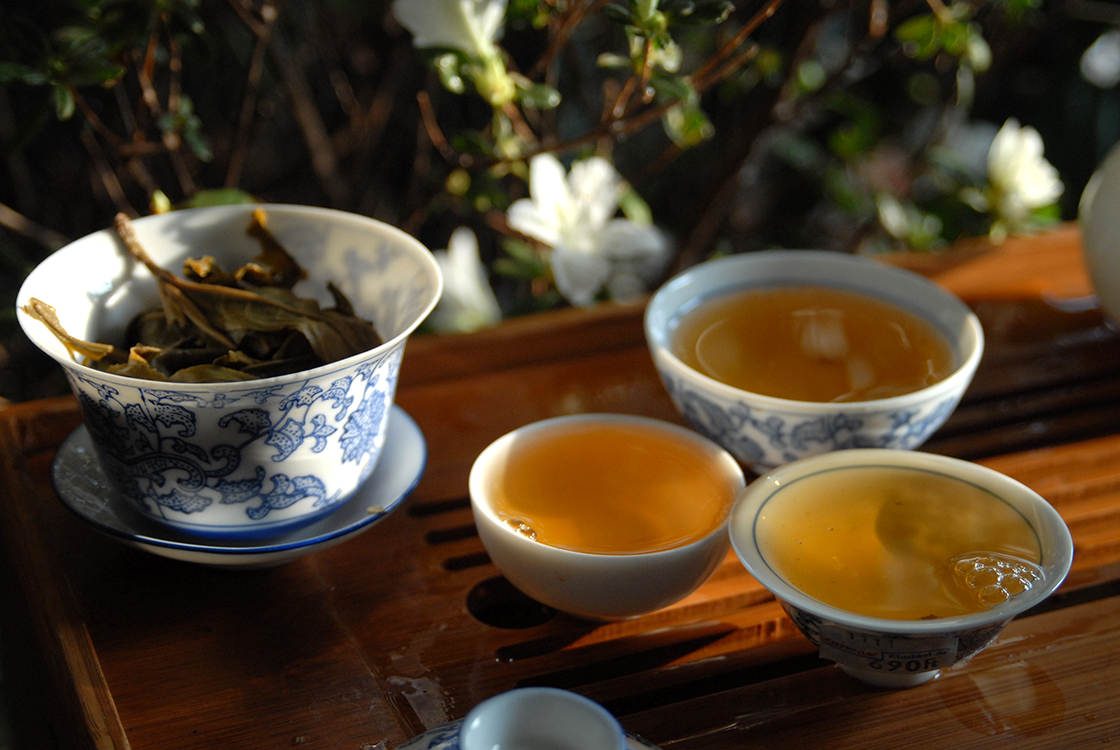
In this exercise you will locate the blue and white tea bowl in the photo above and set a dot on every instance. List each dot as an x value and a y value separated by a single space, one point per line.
764 432
887 652
252 459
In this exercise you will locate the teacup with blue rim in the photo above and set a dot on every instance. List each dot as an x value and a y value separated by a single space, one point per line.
899 564
764 431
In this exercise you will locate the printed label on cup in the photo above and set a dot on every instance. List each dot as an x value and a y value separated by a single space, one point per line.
889 655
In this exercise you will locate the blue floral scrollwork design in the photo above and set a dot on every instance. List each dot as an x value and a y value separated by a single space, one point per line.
149 441
775 439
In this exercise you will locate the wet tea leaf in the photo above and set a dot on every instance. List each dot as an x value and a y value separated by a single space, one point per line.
217 326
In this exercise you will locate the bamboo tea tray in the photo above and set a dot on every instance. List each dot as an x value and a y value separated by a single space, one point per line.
374 641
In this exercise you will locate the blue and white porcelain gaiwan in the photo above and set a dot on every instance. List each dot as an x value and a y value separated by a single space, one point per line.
251 459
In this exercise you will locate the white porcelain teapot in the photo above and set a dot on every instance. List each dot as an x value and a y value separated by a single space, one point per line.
1099 218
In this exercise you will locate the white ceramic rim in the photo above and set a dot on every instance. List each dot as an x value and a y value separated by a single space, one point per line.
489 454
495 703
658 337
750 502
424 256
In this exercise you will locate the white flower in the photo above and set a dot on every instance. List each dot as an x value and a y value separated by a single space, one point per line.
591 250
1100 63
468 302
1021 179
471 26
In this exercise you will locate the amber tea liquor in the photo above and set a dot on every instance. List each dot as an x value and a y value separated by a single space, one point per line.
898 564
604 516
812 343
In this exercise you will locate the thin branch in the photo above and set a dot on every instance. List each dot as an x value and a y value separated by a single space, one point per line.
728 67
174 105
135 167
943 14
617 128
749 28
372 124
175 70
421 166
435 135
262 29
311 125
711 73
568 24
623 100
19 167
93 119
105 173
146 71
524 132
17 222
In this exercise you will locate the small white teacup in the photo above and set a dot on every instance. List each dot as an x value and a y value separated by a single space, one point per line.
540 717
642 456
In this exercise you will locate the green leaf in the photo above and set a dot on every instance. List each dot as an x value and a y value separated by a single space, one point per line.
920 36
77 37
860 129
533 12
198 144
697 12
11 72
612 60
448 66
669 88
618 14
523 261
63 101
539 96
472 142
687 125
1047 214
186 13
955 37
811 76
97 73
634 207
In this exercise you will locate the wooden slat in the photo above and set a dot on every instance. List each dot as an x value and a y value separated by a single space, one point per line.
1031 689
77 687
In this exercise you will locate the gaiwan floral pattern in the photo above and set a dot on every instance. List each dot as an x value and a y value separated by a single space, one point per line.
175 450
767 440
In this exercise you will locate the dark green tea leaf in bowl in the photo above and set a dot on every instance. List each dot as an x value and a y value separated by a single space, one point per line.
274 266
217 326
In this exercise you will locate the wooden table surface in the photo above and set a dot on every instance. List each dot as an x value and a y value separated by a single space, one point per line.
409 625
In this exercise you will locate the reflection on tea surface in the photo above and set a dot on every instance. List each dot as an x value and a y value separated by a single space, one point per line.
809 343
898 543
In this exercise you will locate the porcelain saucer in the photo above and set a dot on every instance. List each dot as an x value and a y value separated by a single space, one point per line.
446 737
83 488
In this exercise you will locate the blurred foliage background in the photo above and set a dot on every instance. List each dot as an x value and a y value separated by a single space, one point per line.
741 126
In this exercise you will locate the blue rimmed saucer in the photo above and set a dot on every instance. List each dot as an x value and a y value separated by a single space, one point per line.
83 488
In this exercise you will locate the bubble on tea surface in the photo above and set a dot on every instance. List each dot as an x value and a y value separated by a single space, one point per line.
522 528
993 578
